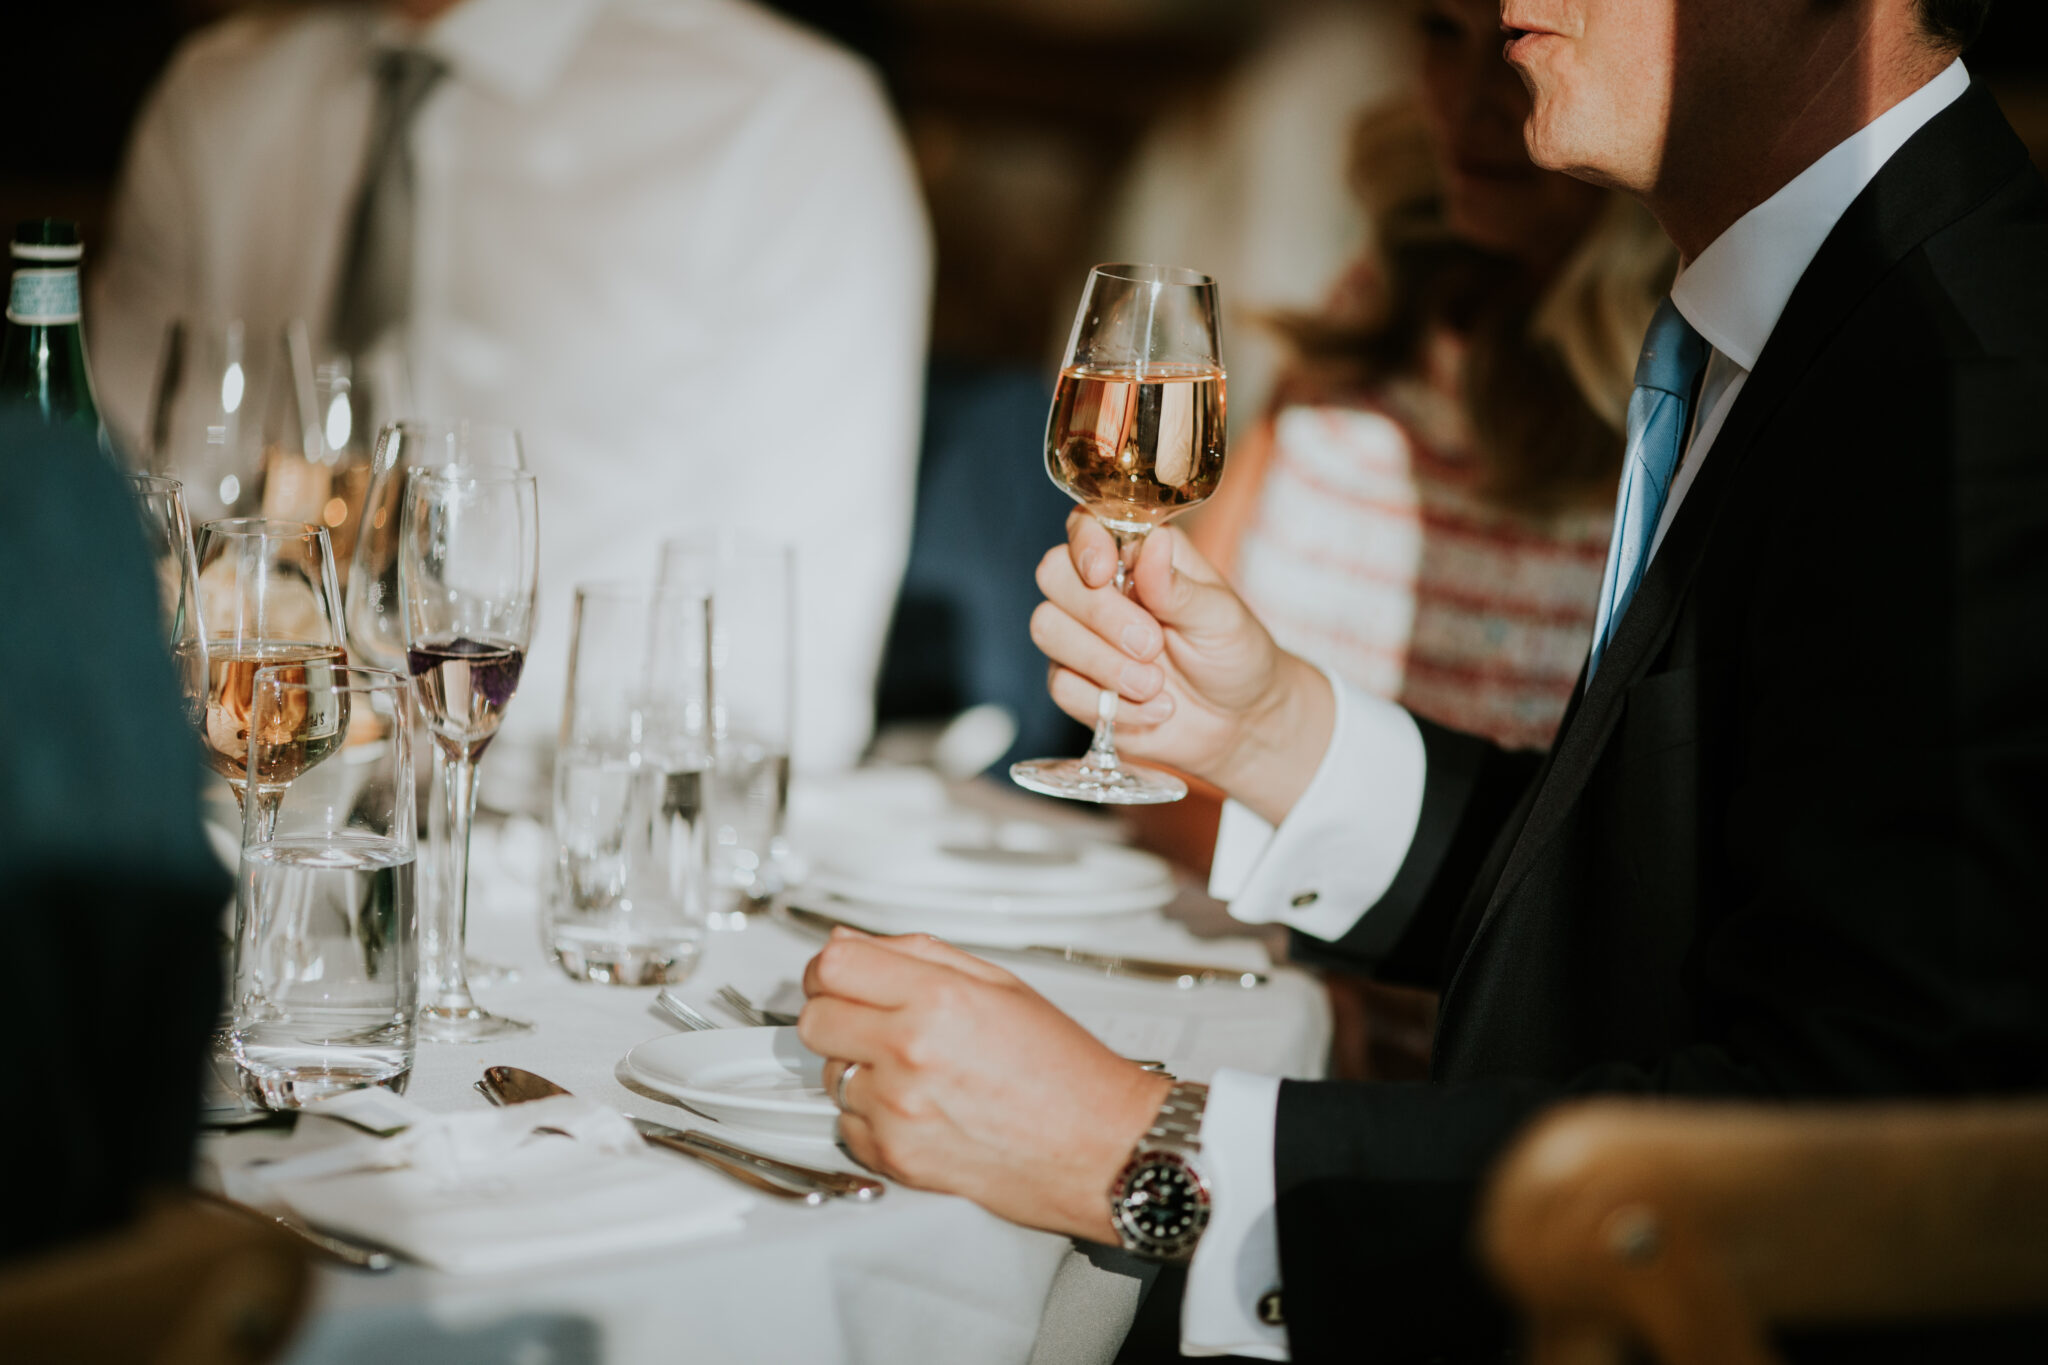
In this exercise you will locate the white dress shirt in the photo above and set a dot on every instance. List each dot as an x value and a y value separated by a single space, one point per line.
1340 847
678 243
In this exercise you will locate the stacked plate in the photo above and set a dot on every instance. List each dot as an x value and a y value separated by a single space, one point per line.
759 1079
1002 883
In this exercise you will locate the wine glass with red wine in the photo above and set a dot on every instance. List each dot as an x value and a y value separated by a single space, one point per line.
468 571
1136 437
268 599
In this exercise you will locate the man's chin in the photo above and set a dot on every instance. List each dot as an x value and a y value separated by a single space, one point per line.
1552 149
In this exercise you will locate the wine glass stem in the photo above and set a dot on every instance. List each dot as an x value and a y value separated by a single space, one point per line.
1102 748
267 803
458 791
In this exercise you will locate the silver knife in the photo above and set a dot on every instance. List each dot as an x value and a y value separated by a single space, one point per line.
1184 974
349 1251
807 1184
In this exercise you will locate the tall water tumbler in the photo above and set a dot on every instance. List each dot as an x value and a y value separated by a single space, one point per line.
326 977
632 845
753 653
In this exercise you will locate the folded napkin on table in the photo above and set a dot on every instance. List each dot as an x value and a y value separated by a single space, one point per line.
487 1191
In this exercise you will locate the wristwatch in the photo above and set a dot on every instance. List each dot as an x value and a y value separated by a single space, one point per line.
1160 1200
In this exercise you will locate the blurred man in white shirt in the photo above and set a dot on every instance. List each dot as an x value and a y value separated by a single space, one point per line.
677 242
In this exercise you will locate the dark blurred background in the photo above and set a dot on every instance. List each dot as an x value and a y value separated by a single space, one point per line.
1021 113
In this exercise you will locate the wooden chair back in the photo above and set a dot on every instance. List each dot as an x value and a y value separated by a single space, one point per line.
188 1283
1690 1229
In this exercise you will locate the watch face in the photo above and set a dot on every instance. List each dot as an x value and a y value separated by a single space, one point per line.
1162 1204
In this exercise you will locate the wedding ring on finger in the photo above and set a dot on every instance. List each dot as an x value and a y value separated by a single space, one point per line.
839 1087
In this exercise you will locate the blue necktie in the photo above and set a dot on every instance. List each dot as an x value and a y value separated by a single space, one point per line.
1659 413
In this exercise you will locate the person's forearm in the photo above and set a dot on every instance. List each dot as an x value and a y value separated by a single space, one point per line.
1284 741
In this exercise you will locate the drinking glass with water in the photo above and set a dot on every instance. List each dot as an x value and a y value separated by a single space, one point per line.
753 664
326 976
632 844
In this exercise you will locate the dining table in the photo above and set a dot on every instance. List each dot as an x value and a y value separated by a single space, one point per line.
910 1276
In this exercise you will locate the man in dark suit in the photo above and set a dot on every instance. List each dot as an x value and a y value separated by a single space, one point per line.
1790 842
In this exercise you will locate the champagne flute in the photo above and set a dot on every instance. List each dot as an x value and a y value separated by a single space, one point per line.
1136 437
376 626
168 532
268 597
468 572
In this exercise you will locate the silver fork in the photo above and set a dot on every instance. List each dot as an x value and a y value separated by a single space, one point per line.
683 1014
750 1013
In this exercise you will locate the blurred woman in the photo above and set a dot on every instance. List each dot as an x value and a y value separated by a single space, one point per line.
1427 509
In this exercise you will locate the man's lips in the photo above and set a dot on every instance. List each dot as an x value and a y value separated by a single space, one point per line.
1521 42
1523 33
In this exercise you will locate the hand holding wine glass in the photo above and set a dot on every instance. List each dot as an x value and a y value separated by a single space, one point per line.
1136 436
468 573
1201 683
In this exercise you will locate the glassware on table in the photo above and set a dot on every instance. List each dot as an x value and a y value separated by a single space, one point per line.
1136 437
206 418
632 842
468 572
325 983
268 598
753 657
376 626
167 531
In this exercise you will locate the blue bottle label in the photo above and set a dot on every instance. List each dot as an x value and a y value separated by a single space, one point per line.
43 298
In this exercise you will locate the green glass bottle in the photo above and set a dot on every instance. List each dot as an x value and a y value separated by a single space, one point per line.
42 359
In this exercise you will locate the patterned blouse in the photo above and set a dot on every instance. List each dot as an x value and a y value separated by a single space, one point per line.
1370 552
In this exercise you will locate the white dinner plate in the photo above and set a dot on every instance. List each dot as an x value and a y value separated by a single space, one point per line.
758 1078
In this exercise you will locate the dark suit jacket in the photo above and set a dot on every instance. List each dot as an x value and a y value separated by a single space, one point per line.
1793 840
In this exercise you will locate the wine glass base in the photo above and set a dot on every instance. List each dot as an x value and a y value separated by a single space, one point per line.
472 1025
1076 779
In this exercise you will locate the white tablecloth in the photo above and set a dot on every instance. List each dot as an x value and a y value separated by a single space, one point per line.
913 1277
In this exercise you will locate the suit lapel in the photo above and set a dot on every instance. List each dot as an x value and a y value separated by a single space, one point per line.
1950 167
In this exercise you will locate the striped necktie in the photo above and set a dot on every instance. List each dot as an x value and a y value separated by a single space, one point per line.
1659 414
375 291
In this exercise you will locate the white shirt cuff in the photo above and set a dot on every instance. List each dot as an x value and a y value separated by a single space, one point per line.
1237 1262
1339 849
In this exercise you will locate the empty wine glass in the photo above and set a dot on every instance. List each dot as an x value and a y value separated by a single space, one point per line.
1136 437
268 598
167 530
376 626
468 572
205 418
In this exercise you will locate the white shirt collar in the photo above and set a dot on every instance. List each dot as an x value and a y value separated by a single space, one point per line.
1734 293
514 48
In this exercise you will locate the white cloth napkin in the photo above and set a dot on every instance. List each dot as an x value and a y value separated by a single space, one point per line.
481 1192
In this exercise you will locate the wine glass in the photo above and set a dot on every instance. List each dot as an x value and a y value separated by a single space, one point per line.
468 572
167 530
206 414
268 598
1136 437
376 628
